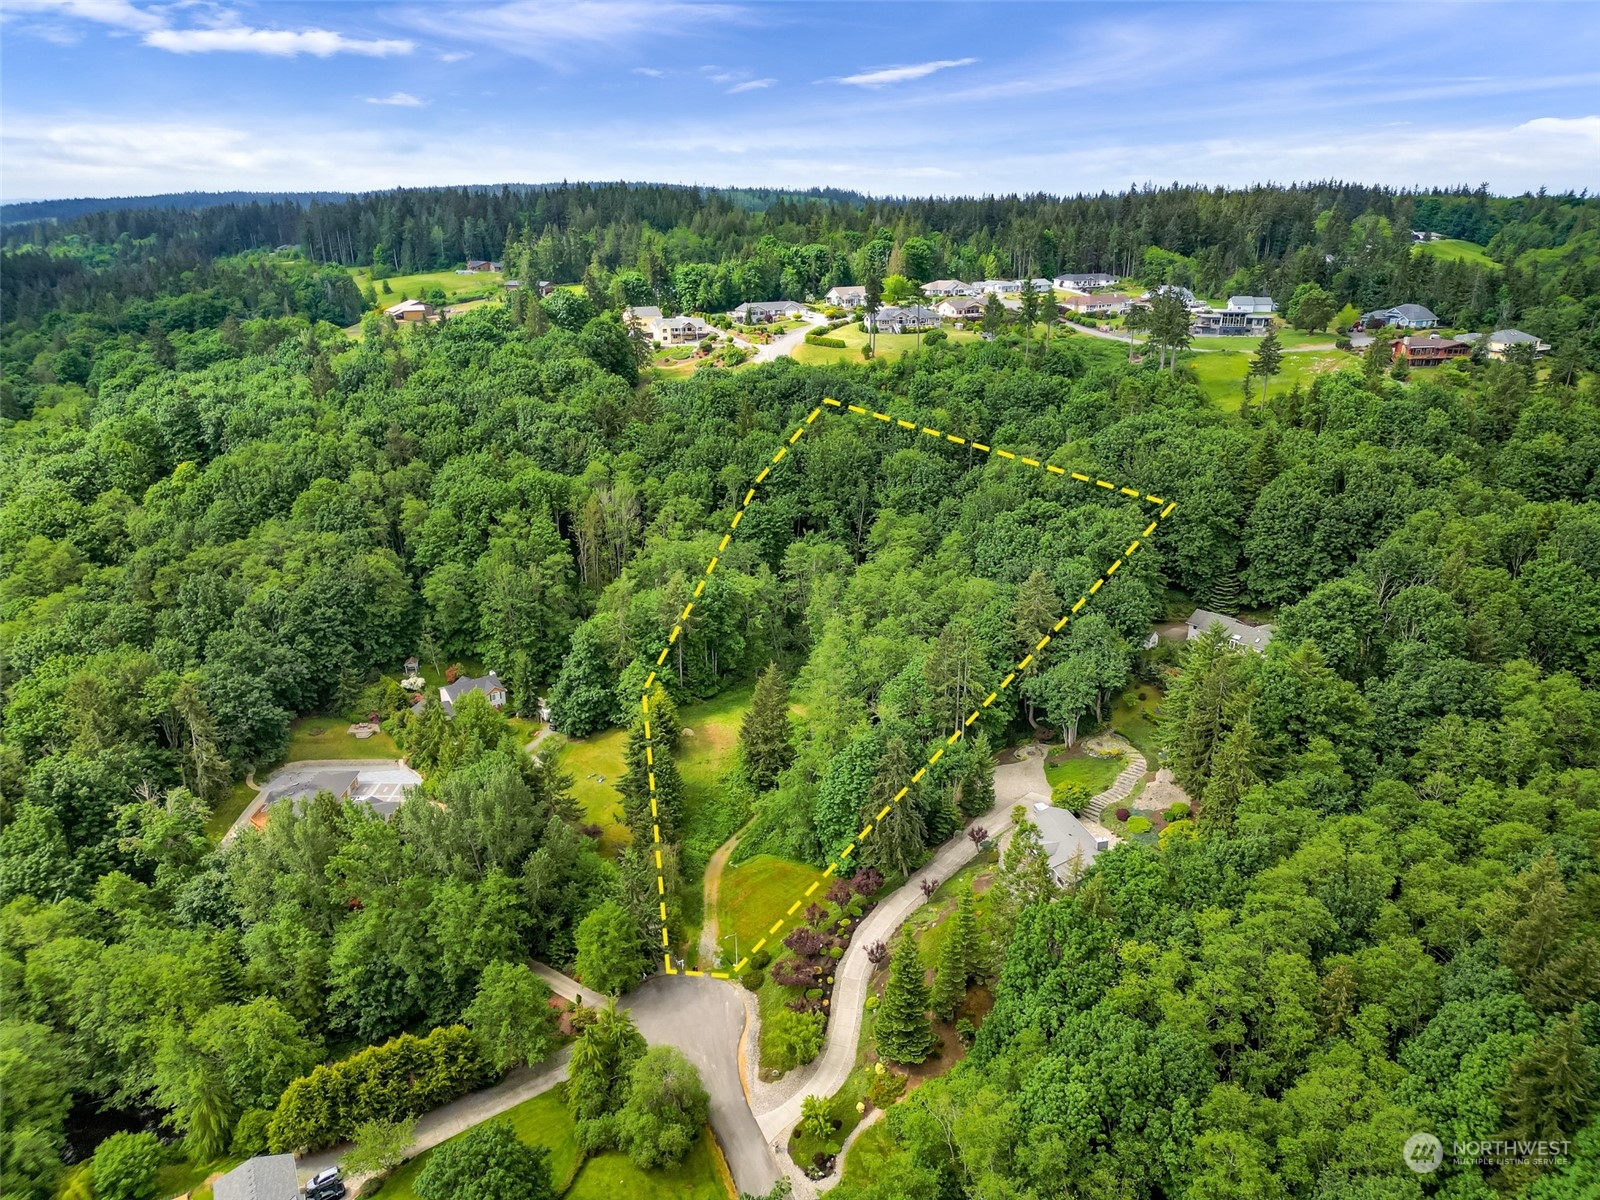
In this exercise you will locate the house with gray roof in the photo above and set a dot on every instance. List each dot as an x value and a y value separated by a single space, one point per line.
450 693
303 785
846 295
1254 304
1085 281
1249 637
903 320
946 287
1182 293
1068 843
1502 340
762 312
264 1177
1401 316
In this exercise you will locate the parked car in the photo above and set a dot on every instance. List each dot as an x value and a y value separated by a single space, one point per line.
325 1185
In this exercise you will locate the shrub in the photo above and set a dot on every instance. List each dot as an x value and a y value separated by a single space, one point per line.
1122 814
831 343
487 1162
966 1032
1070 795
835 952
934 336
814 993
753 979
760 959
250 1133
124 1166
1178 812
796 1038
1139 825
886 1087
401 1078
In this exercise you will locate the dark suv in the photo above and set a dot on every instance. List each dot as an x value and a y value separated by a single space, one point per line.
325 1185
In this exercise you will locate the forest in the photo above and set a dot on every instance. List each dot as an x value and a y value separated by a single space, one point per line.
220 511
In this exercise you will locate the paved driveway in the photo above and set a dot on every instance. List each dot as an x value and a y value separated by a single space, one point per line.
783 345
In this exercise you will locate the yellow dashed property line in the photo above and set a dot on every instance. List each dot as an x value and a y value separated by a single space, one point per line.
960 730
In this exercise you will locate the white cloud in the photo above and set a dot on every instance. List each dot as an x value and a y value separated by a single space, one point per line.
284 43
455 56
398 99
551 32
119 14
751 86
890 75
651 72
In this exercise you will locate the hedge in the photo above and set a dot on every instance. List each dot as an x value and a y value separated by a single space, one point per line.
835 343
401 1078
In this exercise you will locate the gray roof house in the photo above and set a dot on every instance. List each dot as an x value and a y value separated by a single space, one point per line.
1250 637
1255 304
849 295
1402 316
302 786
1068 843
1182 293
755 312
1502 339
489 685
265 1177
900 320
945 287
1084 282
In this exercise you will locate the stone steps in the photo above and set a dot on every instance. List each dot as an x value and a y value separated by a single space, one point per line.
1121 787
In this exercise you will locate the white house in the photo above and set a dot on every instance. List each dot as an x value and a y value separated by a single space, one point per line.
848 296
903 320
1085 282
946 287
1255 304
959 308
1000 287
761 312
680 331
1503 339
1182 293
1249 637
1223 322
411 310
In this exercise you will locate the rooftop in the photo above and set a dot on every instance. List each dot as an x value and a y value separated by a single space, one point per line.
1255 637
265 1177
1068 843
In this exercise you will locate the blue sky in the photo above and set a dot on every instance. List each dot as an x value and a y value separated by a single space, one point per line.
114 97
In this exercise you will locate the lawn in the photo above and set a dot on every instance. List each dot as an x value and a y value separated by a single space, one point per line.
183 1177
326 737
595 764
410 287
1221 373
755 894
543 1121
803 1146
1136 720
1288 339
228 809
1078 767
890 345
1455 248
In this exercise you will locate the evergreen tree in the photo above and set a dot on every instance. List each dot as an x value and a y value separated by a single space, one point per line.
966 933
950 979
1267 362
1551 1089
643 756
898 837
904 1033
766 740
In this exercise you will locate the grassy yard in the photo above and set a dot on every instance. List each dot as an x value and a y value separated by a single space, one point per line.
543 1121
183 1177
1076 766
410 287
803 1146
326 737
1455 248
595 764
1289 339
890 345
755 894
1135 721
1221 373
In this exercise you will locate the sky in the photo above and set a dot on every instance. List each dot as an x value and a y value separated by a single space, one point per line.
126 97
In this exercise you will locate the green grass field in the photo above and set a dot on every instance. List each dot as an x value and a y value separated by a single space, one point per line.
755 894
326 737
1454 248
1222 372
1133 721
410 287
1289 339
228 809
543 1121
890 345
595 764
1095 774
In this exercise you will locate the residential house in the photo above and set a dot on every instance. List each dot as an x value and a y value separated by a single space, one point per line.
1401 316
1248 637
1000 287
1227 322
1503 339
1089 282
477 266
946 287
1182 293
903 320
679 331
411 310
1068 844
1043 285
643 315
1431 350
960 308
489 685
1424 235
1094 306
756 312
848 296
264 1177
1255 304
